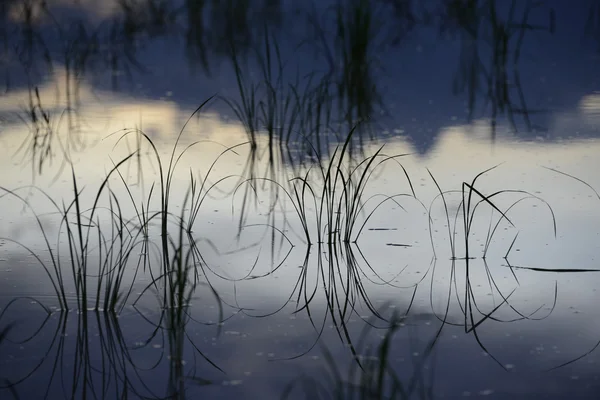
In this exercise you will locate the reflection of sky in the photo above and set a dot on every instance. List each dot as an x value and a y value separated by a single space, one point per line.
461 151
556 71
248 343
249 350
430 122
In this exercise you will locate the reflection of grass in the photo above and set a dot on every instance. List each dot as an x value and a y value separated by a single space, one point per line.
97 360
102 236
86 245
337 194
472 198
570 270
374 377
354 42
339 281
488 35
351 49
40 144
5 382
341 198
592 25
308 109
269 106
335 188
289 110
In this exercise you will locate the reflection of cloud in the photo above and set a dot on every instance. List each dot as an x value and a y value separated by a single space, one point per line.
581 122
93 9
51 94
18 11
590 104
102 113
100 9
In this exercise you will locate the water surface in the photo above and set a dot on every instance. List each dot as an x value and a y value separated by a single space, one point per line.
255 292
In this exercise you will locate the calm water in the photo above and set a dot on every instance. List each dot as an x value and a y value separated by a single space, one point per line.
253 293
